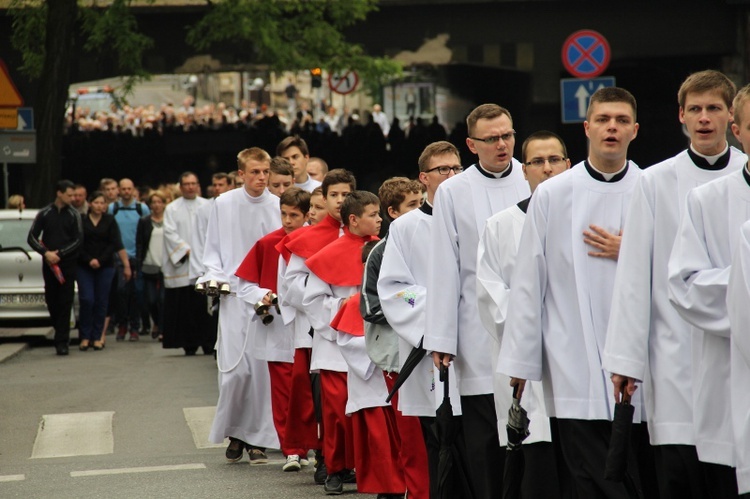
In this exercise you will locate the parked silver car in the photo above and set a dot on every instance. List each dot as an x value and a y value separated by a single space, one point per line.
21 281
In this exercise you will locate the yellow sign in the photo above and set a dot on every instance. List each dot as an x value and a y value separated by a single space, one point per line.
9 118
9 96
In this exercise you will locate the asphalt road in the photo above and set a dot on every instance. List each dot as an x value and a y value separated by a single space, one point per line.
129 421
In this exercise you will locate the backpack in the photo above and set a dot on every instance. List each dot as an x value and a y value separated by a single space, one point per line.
119 207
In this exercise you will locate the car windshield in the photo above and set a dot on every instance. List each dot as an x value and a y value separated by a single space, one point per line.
14 233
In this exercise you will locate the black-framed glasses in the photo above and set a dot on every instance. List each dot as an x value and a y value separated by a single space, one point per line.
552 160
497 138
446 170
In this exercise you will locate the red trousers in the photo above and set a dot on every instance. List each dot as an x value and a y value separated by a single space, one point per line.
301 427
413 452
281 386
338 446
376 451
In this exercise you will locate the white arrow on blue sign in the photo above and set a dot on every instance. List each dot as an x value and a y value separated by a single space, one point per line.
575 94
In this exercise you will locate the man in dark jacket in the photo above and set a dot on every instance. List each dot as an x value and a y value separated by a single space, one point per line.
57 234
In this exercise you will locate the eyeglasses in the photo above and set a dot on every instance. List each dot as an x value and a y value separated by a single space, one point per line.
496 138
446 170
552 160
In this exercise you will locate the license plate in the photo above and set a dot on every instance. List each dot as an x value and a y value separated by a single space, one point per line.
21 299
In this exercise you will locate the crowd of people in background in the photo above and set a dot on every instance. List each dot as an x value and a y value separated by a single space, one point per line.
582 288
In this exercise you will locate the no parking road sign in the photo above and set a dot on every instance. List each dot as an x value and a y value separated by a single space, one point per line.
586 54
344 82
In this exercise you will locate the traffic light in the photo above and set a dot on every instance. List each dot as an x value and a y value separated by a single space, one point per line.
316 77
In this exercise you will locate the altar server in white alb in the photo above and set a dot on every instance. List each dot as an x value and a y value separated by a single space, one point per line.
647 340
240 217
698 278
544 156
560 298
402 286
453 328
221 183
738 297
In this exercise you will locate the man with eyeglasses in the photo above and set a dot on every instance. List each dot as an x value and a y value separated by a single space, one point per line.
453 328
560 299
544 155
184 323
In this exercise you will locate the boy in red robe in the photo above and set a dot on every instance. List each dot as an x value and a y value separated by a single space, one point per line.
258 275
316 354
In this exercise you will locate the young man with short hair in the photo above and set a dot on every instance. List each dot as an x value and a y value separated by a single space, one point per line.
243 412
281 177
706 239
544 156
274 342
57 235
559 307
317 168
647 340
294 149
453 328
318 209
402 288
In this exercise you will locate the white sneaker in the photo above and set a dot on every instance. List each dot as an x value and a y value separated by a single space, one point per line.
303 461
292 463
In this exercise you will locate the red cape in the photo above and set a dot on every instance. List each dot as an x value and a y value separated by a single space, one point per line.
261 264
281 245
315 238
340 263
348 319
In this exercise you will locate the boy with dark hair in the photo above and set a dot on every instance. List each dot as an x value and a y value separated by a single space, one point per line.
281 177
319 353
258 285
336 275
294 149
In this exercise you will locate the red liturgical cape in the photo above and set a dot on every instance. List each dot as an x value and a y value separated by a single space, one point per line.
315 238
261 264
340 263
349 319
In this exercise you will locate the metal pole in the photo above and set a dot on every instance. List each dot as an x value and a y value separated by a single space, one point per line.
5 182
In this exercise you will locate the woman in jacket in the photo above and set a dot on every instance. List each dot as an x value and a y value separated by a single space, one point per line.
101 242
149 247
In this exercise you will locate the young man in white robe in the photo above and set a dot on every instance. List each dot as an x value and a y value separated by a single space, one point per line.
453 328
698 277
402 286
294 149
560 297
238 220
647 340
738 297
184 323
221 183
544 156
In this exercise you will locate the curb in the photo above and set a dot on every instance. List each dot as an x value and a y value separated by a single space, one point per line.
10 350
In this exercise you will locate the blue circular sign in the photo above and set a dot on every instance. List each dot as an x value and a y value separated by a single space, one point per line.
586 54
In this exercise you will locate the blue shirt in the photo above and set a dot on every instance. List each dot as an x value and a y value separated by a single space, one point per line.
127 219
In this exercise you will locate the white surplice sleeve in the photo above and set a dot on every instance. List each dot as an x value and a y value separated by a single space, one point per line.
175 247
444 281
738 295
295 282
697 289
493 289
403 300
626 347
354 351
521 347
212 257
321 306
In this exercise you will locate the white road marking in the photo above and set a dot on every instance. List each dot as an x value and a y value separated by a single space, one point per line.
12 478
199 419
79 434
143 469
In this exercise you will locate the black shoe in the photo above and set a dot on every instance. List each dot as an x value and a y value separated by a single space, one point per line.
190 351
321 473
235 450
348 476
62 349
208 350
334 485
